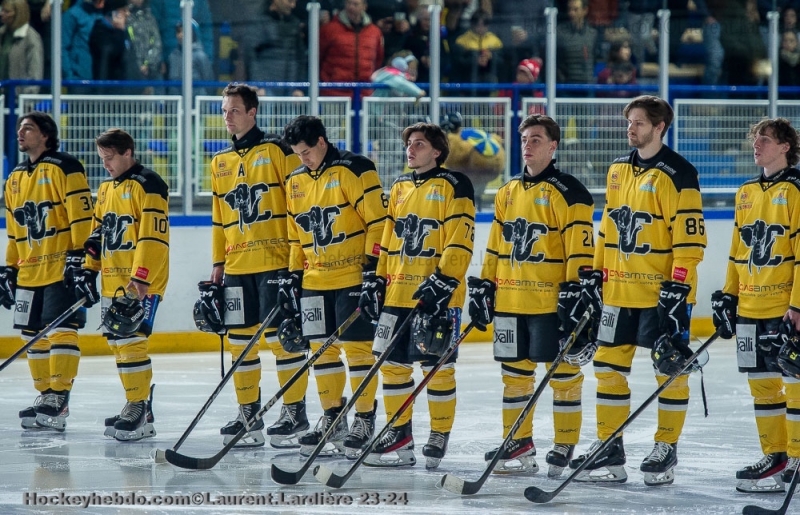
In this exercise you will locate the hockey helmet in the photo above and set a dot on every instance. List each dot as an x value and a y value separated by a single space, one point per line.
789 357
290 335
581 353
667 357
208 312
432 334
125 314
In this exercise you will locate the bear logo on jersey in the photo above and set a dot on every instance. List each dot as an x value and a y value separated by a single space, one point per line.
246 199
629 224
522 236
413 230
760 237
319 222
113 231
33 216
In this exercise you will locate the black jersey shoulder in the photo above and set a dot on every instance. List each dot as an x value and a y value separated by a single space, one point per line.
279 142
573 190
683 173
462 186
356 163
68 163
149 180
792 176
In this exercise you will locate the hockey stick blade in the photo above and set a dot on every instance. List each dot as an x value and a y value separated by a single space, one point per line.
460 486
328 477
539 496
752 509
286 477
189 462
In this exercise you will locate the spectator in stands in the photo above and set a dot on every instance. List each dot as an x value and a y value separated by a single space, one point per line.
111 49
201 64
275 49
76 25
518 44
789 20
146 39
477 54
21 52
620 74
789 63
528 72
575 47
641 21
742 42
170 12
395 30
619 56
40 22
418 42
327 9
350 48
399 75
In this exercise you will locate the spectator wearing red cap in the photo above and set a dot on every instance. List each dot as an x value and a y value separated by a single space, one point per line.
528 72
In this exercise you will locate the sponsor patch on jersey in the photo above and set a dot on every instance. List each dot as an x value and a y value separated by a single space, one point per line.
680 274
746 345
435 195
333 184
780 200
261 160
142 272
383 332
126 195
608 324
234 305
44 180
313 313
376 249
505 337
22 306
649 186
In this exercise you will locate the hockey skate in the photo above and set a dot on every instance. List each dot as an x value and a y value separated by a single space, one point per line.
53 411
334 446
134 422
27 417
435 449
518 456
361 432
558 459
659 466
791 467
764 476
607 467
398 440
290 426
254 437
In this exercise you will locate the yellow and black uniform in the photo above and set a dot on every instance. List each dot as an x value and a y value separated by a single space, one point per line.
763 274
336 219
49 213
542 233
249 237
431 226
132 215
652 230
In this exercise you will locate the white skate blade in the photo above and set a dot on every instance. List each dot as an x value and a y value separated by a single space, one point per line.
251 439
766 485
399 458
146 431
659 478
352 454
554 472
519 465
613 474
432 463
28 423
330 450
58 423
286 441
109 432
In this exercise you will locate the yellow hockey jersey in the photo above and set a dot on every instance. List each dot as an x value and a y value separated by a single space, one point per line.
431 225
542 233
762 267
336 219
248 207
652 229
132 212
48 212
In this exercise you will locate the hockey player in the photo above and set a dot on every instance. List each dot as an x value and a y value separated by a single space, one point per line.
249 249
425 251
49 206
337 210
542 234
129 248
651 239
763 287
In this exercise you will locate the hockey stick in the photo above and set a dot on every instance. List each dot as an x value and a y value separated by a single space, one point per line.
159 457
285 477
752 509
52 325
190 462
459 486
328 477
537 495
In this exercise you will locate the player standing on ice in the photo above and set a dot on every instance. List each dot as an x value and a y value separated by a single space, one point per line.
762 289
49 206
542 234
249 247
129 247
652 237
337 210
425 252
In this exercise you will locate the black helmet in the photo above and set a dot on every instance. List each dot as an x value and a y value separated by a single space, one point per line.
789 357
208 312
290 334
125 314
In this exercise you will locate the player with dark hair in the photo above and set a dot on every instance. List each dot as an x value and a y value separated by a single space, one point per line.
761 295
541 236
49 214
425 251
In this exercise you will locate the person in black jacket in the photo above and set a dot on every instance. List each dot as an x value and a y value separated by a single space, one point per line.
111 48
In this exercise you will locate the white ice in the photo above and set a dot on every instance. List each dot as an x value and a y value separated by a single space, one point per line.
81 461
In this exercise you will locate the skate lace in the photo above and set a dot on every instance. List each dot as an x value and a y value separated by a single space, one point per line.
132 411
660 452
436 439
793 464
360 428
53 400
563 450
288 414
389 437
764 463
39 400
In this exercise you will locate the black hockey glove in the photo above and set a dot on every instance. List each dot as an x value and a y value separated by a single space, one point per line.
769 344
435 292
8 286
673 312
373 293
289 289
482 294
72 266
592 293
570 307
723 306
85 283
93 246
210 307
